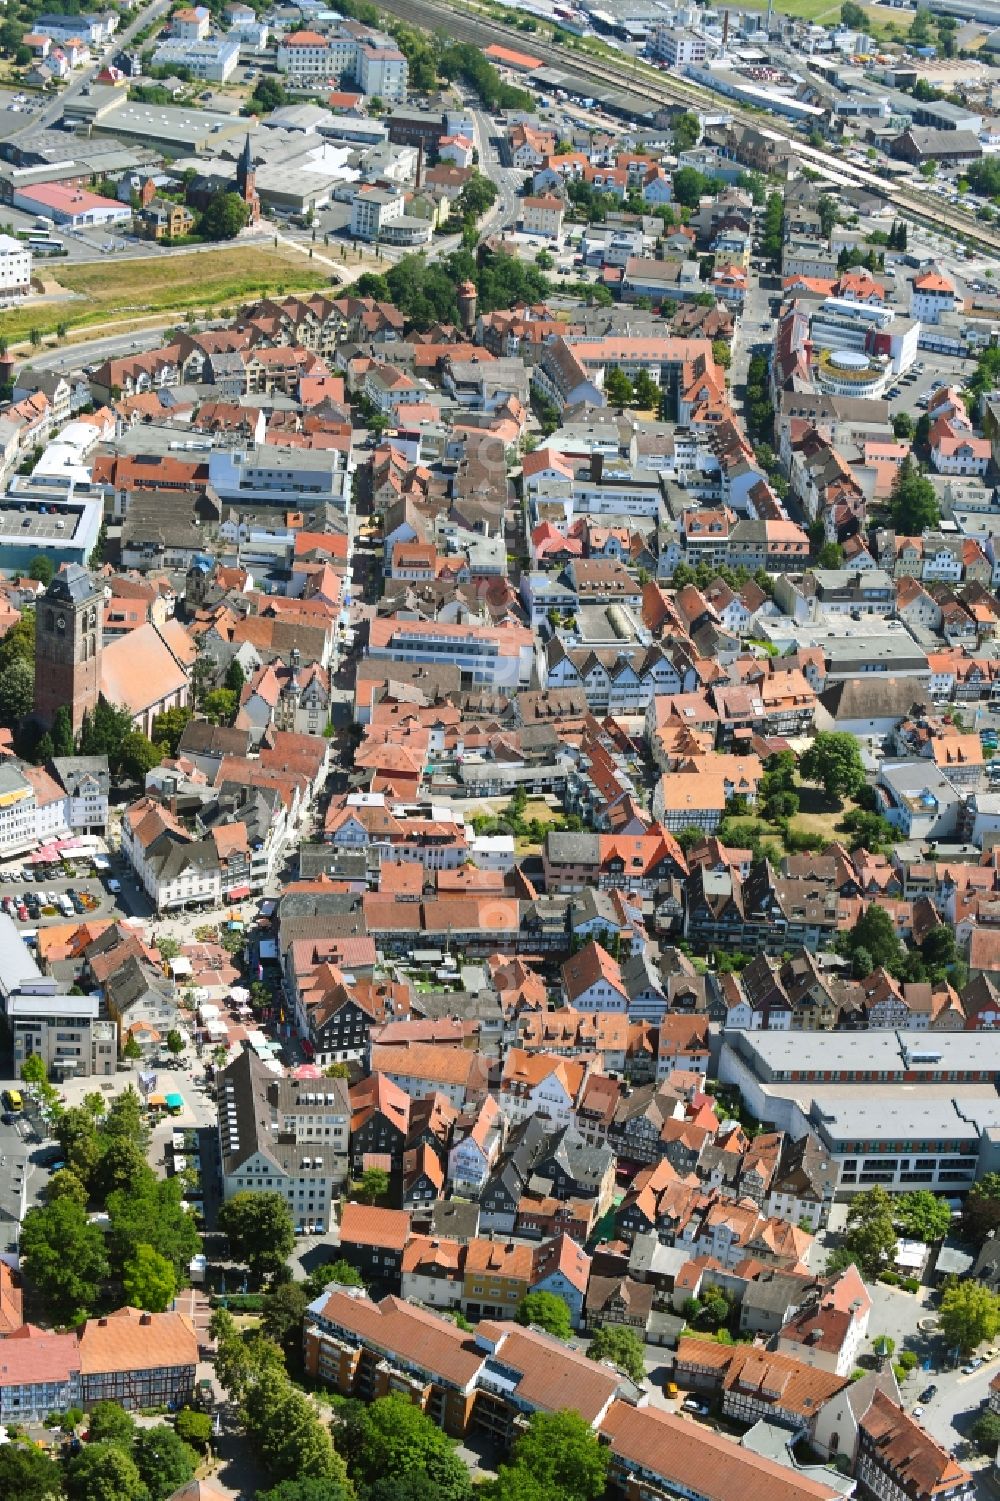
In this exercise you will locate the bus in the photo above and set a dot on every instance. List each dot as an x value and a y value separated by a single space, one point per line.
13 1100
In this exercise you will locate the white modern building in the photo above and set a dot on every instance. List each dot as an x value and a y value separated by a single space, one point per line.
932 296
382 73
15 268
213 59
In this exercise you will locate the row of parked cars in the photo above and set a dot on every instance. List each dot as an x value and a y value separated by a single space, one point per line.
31 903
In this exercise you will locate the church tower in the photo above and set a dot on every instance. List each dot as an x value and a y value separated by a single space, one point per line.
69 639
246 180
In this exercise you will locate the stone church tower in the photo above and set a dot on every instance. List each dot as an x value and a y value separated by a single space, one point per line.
69 638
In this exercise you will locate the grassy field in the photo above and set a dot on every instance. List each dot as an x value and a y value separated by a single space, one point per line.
815 816
823 11
110 290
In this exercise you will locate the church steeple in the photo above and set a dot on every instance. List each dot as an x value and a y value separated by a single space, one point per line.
244 172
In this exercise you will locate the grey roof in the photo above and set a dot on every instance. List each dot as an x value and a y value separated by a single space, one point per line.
200 737
17 966
876 697
574 849
74 771
133 980
72 584
252 1103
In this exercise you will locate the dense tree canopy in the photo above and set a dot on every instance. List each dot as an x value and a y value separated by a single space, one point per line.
969 1314
224 216
260 1231
392 1440
913 503
622 1346
546 1311
64 1257
834 761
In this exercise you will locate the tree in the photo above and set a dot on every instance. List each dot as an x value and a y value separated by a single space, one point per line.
883 1346
982 1209
686 131
372 1185
64 1258
149 1280
868 831
852 16
42 569
308 1490
284 1307
902 425
63 739
152 1213
871 1234
618 388
17 692
913 503
922 1215
830 555
163 1459
260 1231
563 1455
19 642
66 1185
320 1278
220 705
690 186
826 208
645 392
175 1042
722 353
169 727
874 937
548 1312
986 1432
393 1439
243 1361
103 1472
195 1428
235 677
137 756
969 1314
132 1051
834 761
123 1166
28 1475
622 1347
224 217
286 1432
110 1423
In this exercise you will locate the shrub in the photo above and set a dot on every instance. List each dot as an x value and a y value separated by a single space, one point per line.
911 1284
891 1279
908 1360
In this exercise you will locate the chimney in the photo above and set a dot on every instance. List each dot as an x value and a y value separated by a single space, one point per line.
145 1318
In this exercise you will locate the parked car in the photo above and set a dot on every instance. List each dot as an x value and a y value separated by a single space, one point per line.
928 1393
973 1366
697 1406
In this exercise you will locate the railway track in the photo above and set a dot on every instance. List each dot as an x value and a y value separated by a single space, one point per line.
458 25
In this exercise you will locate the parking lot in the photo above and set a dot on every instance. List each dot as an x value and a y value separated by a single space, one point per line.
916 383
51 897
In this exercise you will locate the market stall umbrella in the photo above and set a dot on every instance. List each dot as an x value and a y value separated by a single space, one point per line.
175 1101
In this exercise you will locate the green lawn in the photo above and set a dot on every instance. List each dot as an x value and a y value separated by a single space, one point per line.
111 290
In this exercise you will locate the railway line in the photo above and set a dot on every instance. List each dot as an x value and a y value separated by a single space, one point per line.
459 25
